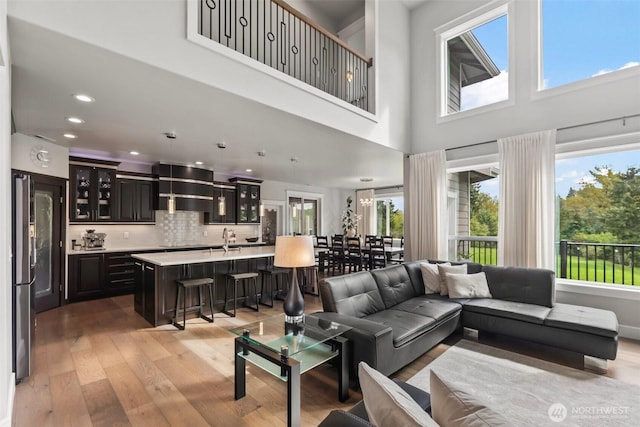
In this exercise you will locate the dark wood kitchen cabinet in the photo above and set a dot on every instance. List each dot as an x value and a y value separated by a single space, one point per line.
135 198
91 190
228 191
100 275
247 201
86 276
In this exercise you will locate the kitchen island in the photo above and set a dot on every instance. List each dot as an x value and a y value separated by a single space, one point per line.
156 273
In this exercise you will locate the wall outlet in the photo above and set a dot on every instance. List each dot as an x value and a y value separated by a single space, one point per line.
125 235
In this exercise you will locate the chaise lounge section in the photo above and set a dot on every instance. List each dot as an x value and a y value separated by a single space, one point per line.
394 321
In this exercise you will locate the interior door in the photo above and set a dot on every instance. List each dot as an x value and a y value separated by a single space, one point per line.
48 206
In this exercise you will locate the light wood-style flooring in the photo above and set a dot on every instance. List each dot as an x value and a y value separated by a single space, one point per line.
98 363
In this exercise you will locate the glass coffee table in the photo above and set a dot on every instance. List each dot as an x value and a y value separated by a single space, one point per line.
287 351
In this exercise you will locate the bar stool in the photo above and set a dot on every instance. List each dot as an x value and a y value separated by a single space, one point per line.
272 273
237 279
185 284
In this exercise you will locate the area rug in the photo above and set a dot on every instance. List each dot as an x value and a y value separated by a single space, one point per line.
533 392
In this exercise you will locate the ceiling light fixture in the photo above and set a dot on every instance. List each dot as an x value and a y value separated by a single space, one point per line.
366 179
133 153
248 170
83 98
76 120
171 201
294 207
222 203
70 136
199 162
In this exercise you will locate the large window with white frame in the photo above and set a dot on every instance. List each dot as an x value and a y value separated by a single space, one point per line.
584 39
474 60
597 214
390 215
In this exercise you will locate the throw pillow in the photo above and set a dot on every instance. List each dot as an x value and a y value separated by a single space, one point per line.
468 285
386 403
431 277
444 269
452 407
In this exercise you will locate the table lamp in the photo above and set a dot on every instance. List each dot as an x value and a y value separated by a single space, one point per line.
293 252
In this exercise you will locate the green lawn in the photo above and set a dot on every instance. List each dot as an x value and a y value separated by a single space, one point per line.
588 270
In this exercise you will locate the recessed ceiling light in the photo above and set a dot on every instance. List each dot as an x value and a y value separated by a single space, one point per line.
133 153
70 136
366 179
249 170
76 120
198 162
83 98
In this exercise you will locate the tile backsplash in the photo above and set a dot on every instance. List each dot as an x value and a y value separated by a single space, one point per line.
179 229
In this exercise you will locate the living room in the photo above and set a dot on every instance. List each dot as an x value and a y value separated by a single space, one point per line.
592 115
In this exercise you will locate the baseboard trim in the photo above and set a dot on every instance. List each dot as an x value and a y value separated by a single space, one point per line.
632 332
11 391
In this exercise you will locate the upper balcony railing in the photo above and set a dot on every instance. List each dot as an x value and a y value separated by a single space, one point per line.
274 33
614 263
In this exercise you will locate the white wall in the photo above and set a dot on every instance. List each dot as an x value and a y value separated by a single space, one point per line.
7 381
335 201
531 112
610 98
160 40
22 147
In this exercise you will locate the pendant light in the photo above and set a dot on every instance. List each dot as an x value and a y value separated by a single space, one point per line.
261 153
294 208
171 201
222 202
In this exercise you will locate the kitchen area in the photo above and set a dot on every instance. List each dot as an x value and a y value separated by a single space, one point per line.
111 211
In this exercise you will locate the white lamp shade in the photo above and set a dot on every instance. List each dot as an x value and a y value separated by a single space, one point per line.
294 251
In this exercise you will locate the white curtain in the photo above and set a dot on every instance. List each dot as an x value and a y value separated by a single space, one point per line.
527 200
367 212
426 206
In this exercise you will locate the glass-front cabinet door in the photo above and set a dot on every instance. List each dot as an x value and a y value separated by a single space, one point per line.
104 195
91 193
254 203
243 203
81 209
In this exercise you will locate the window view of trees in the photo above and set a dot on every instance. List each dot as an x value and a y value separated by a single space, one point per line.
389 217
598 220
605 209
484 212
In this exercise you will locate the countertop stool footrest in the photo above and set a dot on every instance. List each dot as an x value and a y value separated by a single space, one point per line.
185 284
237 279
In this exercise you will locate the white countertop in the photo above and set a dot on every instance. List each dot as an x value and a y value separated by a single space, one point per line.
163 259
159 248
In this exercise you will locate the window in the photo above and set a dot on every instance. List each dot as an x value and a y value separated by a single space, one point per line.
474 62
599 218
588 38
473 214
304 213
390 216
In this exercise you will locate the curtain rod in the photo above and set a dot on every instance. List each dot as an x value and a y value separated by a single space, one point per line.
623 118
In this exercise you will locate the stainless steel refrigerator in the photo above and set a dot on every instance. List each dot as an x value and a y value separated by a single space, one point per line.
24 261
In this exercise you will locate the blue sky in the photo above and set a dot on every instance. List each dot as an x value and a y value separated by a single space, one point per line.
571 172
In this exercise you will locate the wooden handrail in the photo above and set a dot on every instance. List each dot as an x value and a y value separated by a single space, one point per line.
318 27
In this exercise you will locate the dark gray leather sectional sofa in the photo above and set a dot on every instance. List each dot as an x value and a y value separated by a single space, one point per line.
394 322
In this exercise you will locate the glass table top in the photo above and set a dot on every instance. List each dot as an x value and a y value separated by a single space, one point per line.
275 334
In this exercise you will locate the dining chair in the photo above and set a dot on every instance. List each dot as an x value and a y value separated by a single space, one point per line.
337 255
355 259
377 258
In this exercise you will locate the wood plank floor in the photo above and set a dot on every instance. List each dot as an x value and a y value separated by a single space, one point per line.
98 363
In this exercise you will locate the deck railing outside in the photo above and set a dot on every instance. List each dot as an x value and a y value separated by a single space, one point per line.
594 262
274 33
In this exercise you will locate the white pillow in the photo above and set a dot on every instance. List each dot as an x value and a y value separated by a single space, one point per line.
444 269
467 285
452 407
431 277
386 403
